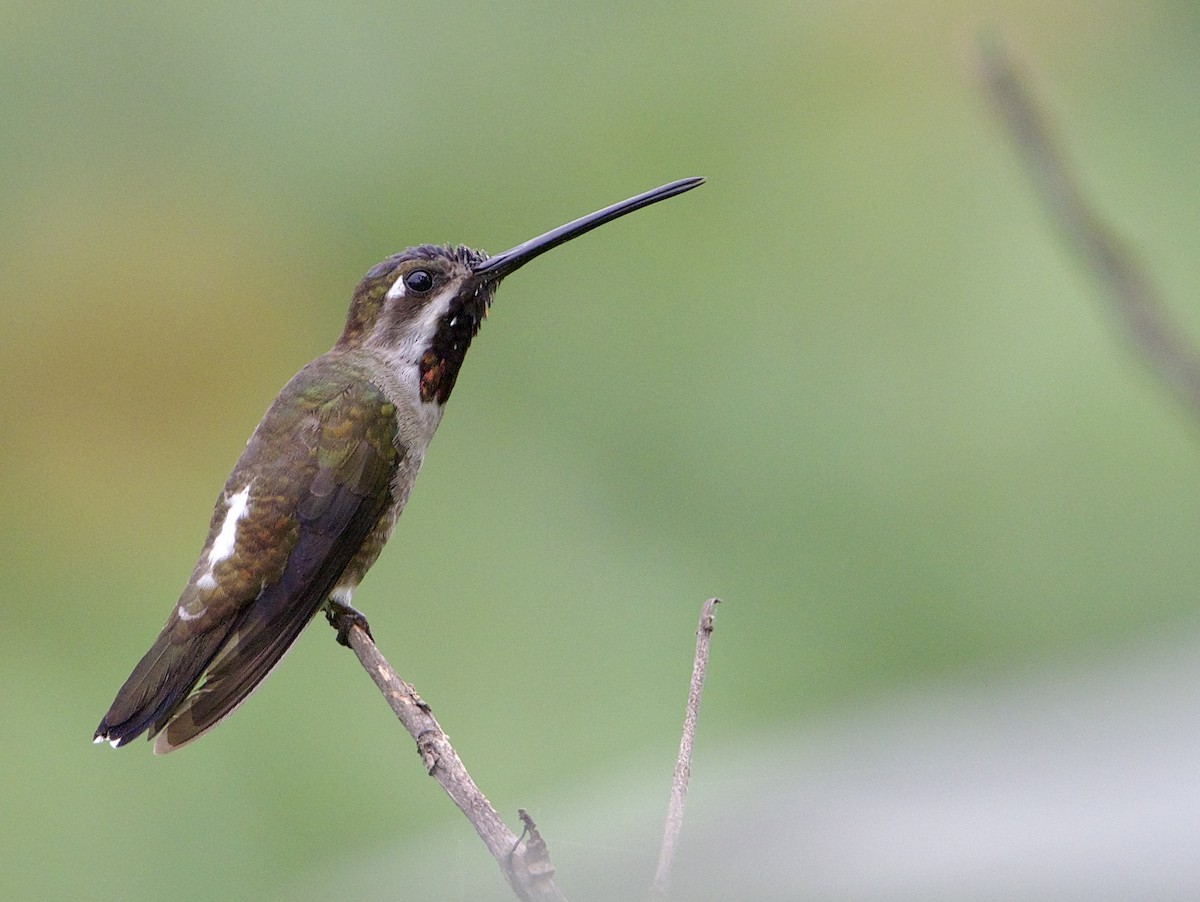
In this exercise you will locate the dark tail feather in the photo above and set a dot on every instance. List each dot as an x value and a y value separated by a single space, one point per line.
257 644
164 676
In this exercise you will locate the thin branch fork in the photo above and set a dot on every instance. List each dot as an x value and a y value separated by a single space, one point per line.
524 860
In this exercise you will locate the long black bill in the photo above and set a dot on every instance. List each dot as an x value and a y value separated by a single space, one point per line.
499 266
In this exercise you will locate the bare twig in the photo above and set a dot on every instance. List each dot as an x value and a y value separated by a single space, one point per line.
526 864
683 766
1134 298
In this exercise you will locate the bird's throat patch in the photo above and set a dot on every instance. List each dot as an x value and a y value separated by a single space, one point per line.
444 358
437 377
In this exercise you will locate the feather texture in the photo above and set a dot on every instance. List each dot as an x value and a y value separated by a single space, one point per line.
318 470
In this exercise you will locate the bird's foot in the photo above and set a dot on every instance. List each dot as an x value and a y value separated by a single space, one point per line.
342 618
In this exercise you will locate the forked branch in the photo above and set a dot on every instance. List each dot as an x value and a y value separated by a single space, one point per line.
524 860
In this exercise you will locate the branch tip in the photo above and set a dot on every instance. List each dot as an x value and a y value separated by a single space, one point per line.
683 765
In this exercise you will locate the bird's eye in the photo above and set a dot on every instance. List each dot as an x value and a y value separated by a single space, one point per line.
419 281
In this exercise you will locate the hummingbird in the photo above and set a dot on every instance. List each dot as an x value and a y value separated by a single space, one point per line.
318 489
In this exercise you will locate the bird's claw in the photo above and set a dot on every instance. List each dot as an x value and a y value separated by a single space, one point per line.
342 618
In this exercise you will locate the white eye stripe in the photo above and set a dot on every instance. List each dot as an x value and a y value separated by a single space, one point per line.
400 289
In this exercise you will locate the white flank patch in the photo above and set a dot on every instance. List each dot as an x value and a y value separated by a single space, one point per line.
342 594
225 542
222 548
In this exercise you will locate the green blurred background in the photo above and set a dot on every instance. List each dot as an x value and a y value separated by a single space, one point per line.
854 386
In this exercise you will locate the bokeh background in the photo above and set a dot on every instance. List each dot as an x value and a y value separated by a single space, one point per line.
854 386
